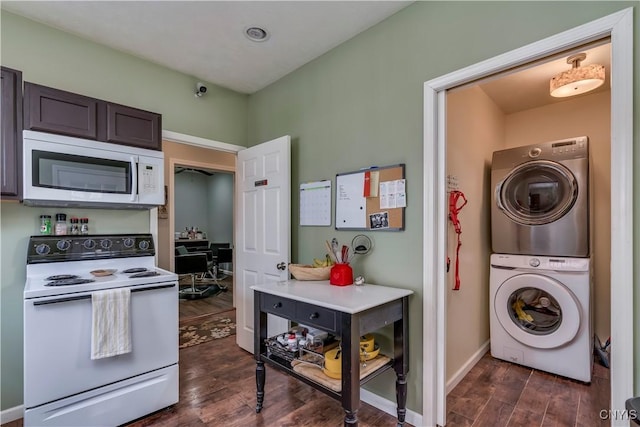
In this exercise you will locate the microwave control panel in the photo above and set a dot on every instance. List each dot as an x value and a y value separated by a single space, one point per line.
147 179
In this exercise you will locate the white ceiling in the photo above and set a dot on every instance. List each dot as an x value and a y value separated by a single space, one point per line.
528 87
206 39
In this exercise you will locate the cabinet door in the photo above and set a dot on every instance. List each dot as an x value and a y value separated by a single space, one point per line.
11 145
130 126
57 111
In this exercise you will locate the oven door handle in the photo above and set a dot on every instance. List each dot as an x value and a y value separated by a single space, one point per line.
67 299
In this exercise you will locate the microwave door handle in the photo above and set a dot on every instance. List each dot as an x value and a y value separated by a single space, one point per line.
134 178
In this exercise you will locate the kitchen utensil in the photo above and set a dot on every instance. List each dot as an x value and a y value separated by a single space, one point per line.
331 253
335 248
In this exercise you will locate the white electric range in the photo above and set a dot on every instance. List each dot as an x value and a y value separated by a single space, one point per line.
63 386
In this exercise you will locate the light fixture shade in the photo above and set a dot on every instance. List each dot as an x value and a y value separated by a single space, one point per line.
577 80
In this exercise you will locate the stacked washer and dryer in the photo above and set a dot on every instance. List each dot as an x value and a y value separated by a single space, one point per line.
541 274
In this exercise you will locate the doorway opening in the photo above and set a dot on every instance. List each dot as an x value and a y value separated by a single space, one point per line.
203 224
618 26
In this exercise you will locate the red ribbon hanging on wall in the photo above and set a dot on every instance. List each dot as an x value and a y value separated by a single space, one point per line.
454 210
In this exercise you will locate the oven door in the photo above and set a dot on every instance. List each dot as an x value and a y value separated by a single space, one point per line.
57 342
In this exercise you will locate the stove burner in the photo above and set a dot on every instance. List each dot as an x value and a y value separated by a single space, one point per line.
62 277
72 281
134 270
145 274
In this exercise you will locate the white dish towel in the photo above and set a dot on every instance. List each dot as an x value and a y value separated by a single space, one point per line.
111 325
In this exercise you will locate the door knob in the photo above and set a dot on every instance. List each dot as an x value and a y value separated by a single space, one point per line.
281 266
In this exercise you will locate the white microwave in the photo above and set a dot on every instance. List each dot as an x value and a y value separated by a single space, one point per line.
73 172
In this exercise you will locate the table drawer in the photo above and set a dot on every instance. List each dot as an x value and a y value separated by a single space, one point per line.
313 315
277 305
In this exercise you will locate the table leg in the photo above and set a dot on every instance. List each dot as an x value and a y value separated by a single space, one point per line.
401 359
350 418
401 397
260 378
350 369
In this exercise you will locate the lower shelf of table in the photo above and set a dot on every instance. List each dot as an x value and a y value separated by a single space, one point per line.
278 364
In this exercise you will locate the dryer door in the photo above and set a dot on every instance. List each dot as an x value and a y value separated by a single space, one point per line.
537 192
537 310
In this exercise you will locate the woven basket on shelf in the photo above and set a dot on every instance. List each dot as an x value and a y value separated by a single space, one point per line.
307 272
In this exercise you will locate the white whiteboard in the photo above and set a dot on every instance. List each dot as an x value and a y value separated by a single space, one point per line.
351 205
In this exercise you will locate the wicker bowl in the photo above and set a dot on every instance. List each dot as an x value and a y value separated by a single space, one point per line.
308 272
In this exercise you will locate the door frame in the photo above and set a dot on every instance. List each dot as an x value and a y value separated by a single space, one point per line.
181 138
619 27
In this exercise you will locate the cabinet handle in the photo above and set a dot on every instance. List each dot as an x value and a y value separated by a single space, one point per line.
314 316
277 305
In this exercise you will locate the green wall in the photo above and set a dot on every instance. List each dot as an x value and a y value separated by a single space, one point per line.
57 59
54 58
358 105
361 104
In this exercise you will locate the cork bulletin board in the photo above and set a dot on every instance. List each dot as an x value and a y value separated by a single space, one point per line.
371 199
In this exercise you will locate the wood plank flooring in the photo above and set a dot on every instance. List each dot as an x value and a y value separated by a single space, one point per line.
189 309
217 388
497 393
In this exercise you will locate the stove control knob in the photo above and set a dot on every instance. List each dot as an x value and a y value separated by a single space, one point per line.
106 243
144 245
128 242
89 244
63 245
43 249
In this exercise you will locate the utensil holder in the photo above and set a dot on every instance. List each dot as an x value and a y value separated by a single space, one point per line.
341 274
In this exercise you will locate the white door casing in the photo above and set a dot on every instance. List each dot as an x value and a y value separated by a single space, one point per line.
263 229
618 26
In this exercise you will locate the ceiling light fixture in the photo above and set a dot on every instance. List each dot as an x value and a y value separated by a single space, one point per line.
578 79
256 34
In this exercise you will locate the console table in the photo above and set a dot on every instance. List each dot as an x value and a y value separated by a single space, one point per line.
345 311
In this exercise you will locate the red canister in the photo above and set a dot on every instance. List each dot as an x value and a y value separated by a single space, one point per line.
341 275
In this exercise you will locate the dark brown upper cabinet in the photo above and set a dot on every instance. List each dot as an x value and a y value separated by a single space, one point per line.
57 111
130 126
11 144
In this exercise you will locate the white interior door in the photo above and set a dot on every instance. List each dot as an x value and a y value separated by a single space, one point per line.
263 229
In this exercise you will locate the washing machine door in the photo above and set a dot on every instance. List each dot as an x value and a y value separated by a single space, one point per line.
537 310
537 192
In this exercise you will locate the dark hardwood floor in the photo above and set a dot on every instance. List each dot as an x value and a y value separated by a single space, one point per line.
189 309
497 393
217 388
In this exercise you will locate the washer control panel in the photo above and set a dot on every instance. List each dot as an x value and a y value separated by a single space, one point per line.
540 263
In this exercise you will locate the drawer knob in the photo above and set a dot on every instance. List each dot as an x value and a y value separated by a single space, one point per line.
277 305
314 316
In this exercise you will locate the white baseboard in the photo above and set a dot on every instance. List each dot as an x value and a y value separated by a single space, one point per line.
12 414
389 407
464 369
